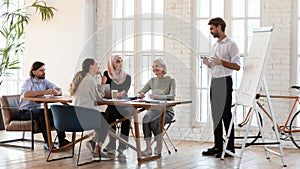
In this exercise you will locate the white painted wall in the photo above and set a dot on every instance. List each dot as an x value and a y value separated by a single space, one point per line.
57 43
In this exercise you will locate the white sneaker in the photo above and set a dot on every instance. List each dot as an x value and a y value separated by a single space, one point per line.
105 156
90 145
147 152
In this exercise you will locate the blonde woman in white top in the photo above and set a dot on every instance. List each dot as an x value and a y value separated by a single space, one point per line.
85 91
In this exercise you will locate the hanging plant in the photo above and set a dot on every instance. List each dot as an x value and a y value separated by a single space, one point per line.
14 20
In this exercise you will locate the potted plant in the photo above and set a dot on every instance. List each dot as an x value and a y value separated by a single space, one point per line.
13 21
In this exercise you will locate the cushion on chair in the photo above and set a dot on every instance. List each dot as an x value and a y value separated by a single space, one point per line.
25 125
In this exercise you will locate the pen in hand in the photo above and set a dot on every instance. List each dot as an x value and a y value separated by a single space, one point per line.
103 78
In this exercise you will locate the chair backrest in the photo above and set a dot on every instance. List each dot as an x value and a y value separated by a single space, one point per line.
75 118
10 108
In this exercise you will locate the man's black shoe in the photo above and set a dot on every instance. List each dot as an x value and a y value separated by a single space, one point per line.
211 151
63 142
226 155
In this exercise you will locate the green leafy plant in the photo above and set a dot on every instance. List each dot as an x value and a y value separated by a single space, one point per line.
14 19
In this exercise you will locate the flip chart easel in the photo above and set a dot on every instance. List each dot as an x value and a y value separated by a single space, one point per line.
253 79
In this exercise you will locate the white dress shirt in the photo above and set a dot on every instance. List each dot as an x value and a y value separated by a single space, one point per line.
226 50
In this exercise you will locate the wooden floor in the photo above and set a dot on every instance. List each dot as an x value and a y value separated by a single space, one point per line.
188 157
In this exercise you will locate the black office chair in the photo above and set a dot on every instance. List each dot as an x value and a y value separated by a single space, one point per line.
74 119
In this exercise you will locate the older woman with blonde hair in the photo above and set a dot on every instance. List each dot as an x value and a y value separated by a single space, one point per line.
163 88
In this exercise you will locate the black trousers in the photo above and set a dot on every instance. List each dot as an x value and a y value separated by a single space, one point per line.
112 114
38 114
221 99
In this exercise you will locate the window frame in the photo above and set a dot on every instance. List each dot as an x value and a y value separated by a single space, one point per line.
228 7
137 67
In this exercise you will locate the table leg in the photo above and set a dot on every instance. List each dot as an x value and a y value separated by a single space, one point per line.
159 143
137 134
47 122
161 130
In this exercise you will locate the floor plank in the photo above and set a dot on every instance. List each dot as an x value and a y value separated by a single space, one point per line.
188 157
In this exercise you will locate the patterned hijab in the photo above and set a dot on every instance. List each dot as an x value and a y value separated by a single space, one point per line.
117 75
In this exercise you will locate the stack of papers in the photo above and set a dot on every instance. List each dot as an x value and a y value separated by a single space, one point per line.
50 96
115 100
156 101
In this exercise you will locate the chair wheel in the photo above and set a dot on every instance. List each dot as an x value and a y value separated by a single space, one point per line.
169 152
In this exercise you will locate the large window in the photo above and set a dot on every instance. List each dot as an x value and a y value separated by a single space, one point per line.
298 43
11 83
241 17
205 11
138 37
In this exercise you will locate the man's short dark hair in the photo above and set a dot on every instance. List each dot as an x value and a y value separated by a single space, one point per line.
35 66
218 21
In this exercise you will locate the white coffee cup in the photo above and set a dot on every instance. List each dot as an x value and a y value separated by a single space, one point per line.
114 94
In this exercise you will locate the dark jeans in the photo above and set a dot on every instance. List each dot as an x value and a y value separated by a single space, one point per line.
117 112
38 114
221 99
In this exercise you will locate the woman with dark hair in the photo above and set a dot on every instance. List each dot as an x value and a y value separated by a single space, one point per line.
85 90
118 80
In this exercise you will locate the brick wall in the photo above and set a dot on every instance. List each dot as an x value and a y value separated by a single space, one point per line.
279 15
178 56
179 53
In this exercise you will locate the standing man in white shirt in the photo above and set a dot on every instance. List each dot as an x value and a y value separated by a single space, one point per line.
224 59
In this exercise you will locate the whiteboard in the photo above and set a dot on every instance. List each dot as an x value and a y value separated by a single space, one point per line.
254 66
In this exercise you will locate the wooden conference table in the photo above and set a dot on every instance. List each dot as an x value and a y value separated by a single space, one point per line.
144 105
45 100
135 104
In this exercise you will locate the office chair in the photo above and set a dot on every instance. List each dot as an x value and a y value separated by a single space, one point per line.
13 122
74 119
166 127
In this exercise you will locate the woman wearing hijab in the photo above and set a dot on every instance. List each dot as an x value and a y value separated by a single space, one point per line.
85 90
163 88
118 80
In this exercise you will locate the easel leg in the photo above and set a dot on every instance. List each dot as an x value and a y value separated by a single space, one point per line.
245 139
274 121
261 133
